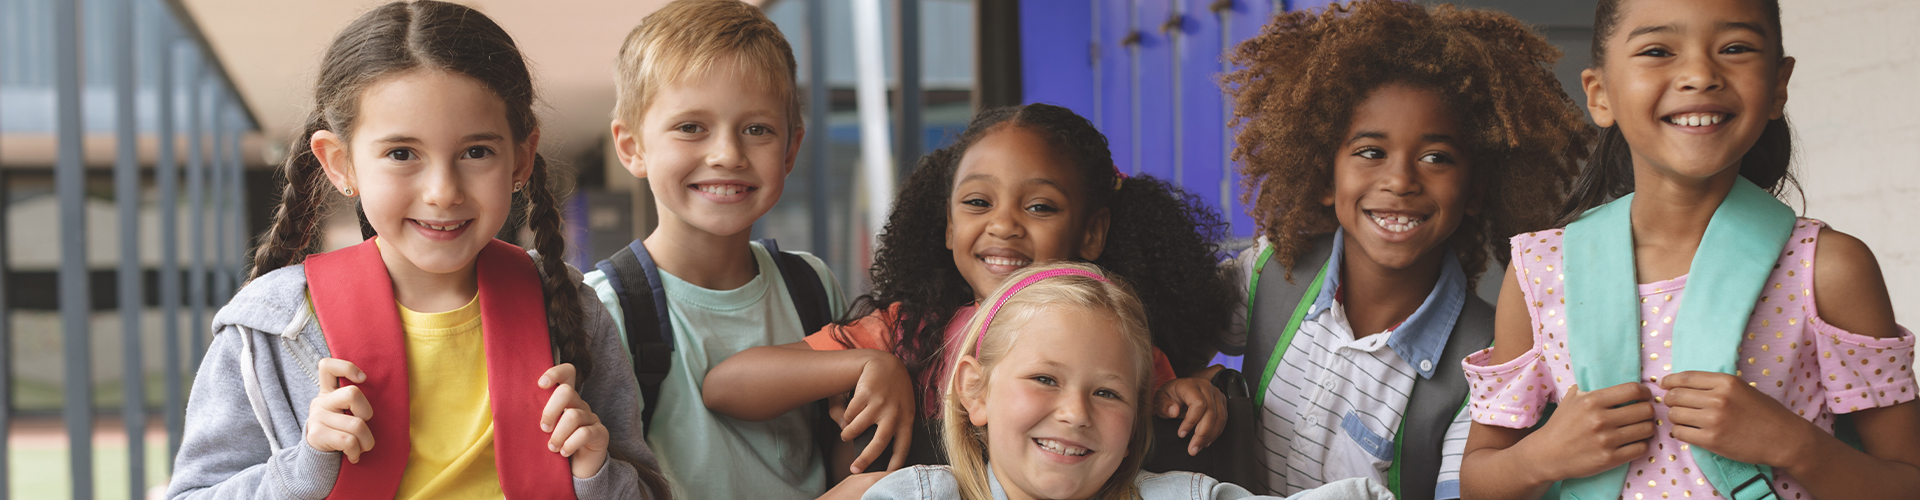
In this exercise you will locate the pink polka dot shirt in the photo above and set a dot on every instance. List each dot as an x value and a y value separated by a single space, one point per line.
1815 369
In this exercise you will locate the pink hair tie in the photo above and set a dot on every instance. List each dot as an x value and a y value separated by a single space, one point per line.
981 338
1118 177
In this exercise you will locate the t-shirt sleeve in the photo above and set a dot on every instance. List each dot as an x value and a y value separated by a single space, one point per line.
1162 369
872 332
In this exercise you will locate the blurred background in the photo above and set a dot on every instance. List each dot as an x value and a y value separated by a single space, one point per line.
139 141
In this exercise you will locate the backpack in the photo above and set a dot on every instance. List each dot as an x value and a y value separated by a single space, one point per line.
649 331
1275 309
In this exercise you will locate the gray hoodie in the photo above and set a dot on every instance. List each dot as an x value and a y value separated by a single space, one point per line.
259 375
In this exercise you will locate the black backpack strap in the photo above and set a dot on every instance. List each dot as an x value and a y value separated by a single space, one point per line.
809 294
1272 301
643 307
1435 401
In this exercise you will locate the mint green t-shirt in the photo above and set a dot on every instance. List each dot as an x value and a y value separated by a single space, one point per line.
709 455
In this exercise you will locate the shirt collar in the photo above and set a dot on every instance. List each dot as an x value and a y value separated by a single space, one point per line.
1421 337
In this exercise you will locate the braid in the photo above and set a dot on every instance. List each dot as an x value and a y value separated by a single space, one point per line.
563 299
291 235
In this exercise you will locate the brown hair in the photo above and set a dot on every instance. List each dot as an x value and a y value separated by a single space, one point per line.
1609 173
426 35
685 38
1306 72
966 444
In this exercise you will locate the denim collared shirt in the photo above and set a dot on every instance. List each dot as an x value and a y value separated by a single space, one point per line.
935 482
1421 338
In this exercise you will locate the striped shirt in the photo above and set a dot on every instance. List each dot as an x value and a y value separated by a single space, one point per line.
1334 405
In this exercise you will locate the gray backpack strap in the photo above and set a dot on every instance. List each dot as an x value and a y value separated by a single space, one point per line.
1435 401
1270 303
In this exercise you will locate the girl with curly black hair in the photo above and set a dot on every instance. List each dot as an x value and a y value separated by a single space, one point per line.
1023 185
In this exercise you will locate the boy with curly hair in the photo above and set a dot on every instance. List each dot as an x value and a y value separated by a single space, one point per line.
1389 149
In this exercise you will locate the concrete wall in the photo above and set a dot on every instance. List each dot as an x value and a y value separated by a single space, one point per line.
1856 117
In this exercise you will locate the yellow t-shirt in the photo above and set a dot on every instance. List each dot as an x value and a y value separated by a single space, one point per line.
451 417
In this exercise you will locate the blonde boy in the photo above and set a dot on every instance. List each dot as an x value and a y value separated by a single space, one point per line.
708 113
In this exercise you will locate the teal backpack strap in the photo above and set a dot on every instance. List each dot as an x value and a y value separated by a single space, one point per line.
1728 271
1275 308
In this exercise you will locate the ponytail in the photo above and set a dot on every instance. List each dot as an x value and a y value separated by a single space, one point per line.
1162 239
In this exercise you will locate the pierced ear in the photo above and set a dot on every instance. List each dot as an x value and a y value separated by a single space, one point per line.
967 384
1780 92
1094 241
1597 105
626 145
331 151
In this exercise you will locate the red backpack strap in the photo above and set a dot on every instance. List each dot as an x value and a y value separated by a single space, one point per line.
513 316
353 299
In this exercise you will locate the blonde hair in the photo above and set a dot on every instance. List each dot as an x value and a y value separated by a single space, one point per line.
686 38
966 444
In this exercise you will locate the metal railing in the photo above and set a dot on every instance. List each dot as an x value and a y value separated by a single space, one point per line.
182 98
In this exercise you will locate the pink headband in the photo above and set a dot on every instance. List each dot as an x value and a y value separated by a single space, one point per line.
981 338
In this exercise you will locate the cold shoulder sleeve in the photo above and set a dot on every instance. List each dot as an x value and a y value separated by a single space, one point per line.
1864 372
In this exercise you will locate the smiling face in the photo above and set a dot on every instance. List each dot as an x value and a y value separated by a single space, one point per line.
1015 203
1401 180
715 149
1059 408
1690 84
433 161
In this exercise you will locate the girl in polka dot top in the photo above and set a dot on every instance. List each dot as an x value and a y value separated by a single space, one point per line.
1692 95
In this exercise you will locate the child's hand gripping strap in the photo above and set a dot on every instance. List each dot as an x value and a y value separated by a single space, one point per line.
1726 277
986 322
353 300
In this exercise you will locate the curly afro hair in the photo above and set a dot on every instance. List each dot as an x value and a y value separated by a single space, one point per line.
1161 240
1305 73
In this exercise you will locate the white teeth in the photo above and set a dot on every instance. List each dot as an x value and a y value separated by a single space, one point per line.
1056 447
1003 261
444 228
1696 119
722 189
1397 223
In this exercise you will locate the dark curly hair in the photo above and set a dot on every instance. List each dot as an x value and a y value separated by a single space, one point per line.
1306 72
1609 174
1161 239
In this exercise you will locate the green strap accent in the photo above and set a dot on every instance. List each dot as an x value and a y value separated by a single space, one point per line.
1399 455
1293 326
1727 275
1253 285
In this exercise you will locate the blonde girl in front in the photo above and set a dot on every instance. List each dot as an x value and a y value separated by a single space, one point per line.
1047 400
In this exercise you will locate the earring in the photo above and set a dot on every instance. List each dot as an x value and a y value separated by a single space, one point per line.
517 185
348 191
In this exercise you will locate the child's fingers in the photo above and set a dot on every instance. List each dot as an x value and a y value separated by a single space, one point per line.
344 400
570 420
332 369
589 438
344 433
561 374
1207 430
881 436
858 424
902 443
562 399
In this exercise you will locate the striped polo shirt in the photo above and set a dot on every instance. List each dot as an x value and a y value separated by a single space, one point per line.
1334 404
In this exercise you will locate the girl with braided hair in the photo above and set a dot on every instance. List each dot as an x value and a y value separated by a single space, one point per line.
491 371
1022 186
